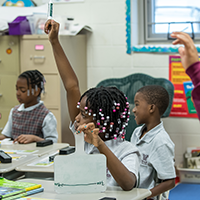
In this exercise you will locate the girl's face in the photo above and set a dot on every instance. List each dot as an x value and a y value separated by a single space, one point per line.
82 117
141 109
21 93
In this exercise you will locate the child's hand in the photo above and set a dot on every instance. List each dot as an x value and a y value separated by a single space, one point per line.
188 53
24 139
52 28
91 134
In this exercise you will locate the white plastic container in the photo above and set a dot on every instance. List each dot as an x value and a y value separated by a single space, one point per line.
188 175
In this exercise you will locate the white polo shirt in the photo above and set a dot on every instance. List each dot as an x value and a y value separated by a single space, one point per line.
157 155
126 152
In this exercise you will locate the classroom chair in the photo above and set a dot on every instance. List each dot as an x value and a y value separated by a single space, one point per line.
129 86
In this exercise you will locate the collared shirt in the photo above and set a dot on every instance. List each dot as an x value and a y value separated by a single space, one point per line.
157 155
126 152
49 125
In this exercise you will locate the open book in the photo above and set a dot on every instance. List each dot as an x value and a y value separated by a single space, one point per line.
13 190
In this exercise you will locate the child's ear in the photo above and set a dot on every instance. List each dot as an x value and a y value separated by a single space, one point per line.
152 108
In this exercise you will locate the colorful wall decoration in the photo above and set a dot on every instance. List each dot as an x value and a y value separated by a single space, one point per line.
183 105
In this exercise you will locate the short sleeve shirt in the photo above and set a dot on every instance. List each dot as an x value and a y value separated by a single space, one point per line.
157 155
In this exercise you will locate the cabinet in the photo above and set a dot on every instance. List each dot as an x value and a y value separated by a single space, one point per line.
9 71
36 53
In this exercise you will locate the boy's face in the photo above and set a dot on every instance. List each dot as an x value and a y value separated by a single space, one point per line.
82 117
141 109
21 93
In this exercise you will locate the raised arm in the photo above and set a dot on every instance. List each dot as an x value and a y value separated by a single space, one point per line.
67 73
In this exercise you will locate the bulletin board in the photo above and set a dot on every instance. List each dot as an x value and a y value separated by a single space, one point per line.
182 105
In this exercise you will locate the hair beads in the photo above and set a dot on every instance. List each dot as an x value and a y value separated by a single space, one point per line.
109 108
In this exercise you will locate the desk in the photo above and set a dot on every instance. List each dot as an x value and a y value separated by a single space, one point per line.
37 171
117 192
8 169
32 146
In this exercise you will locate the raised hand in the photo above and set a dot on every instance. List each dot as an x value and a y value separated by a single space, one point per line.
188 53
91 134
52 29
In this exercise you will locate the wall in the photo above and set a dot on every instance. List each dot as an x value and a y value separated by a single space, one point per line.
106 58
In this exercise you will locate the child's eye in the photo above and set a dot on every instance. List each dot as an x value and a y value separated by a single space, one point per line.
23 91
83 115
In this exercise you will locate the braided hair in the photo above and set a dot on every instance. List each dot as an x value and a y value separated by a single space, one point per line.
110 110
35 79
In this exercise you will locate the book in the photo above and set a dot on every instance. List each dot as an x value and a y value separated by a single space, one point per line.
13 189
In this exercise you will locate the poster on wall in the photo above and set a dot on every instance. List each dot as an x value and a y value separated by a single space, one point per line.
182 105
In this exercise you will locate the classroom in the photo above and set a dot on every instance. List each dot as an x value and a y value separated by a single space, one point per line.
108 46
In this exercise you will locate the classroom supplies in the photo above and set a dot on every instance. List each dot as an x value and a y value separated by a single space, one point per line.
20 26
4 157
67 150
13 190
44 143
79 172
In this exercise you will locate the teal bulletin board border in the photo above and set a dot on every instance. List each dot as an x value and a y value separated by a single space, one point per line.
128 26
159 48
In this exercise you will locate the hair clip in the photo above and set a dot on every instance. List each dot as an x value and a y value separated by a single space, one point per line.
98 122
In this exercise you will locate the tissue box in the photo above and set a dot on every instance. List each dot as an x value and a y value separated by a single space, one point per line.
20 26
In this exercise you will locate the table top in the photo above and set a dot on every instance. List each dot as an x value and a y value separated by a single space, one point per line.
22 154
117 192
39 151
39 164
17 160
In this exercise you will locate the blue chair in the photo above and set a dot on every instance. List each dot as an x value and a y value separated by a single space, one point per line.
129 85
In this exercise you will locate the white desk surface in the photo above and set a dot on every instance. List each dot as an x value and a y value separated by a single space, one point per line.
7 167
117 192
45 169
32 146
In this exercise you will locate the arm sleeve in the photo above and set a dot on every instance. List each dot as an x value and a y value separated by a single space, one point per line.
7 131
163 162
132 163
49 127
194 72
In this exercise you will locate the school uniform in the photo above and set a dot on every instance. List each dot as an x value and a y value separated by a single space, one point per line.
157 155
34 120
126 152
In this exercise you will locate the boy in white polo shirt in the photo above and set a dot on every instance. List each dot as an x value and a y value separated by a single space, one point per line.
153 142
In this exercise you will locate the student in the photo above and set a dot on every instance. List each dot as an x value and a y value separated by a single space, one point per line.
190 61
153 142
102 114
30 121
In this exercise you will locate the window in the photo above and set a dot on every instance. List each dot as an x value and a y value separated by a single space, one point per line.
150 22
164 17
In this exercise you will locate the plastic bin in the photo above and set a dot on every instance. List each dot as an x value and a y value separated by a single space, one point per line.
20 26
187 175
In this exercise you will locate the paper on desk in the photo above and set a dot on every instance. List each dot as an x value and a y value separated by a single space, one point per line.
7 141
41 163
